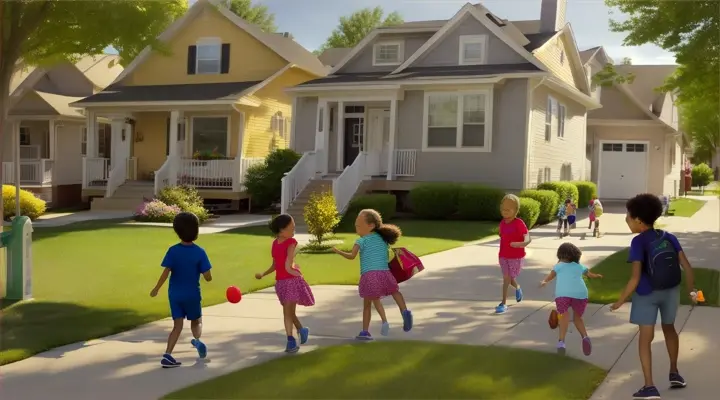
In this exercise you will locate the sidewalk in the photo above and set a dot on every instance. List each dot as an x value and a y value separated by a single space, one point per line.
453 301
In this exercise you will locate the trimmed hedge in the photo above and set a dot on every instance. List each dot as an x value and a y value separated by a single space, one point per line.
529 211
385 204
565 190
548 200
30 205
480 203
435 200
587 191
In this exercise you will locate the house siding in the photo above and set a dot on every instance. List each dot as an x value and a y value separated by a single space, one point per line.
617 105
67 169
363 61
555 54
305 116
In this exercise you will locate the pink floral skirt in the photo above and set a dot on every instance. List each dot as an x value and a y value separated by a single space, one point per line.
294 290
376 284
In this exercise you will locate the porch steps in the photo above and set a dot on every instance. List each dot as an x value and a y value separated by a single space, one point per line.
127 197
297 207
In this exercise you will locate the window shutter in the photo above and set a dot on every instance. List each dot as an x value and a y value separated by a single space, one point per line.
225 59
167 136
191 59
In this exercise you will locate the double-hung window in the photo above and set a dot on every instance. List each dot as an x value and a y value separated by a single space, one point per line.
209 56
458 121
388 53
473 49
210 135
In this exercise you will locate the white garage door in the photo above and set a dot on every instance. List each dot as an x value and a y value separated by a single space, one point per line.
623 170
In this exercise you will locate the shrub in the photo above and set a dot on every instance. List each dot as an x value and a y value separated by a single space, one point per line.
434 200
565 190
156 211
529 211
587 191
263 180
30 205
385 204
187 198
321 215
702 175
548 200
477 202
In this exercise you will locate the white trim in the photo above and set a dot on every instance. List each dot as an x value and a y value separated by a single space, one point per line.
473 39
241 136
293 123
480 16
208 41
191 131
401 52
243 101
549 104
391 162
561 120
460 94
572 92
340 132
577 64
623 122
647 159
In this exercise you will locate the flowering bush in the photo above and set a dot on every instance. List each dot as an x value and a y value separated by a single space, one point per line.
156 211
208 155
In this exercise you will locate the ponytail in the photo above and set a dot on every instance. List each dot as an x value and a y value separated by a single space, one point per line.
389 233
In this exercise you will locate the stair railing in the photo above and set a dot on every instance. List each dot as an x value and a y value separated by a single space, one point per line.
297 179
345 185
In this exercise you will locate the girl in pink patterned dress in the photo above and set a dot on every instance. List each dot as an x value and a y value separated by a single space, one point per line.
290 286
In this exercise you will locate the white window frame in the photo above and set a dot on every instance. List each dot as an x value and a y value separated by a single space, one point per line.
549 117
208 42
460 95
562 119
547 174
228 131
473 39
401 52
279 123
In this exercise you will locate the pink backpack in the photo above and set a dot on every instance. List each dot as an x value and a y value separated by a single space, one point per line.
404 264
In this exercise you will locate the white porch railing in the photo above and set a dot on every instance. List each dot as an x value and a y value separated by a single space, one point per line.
297 179
345 185
29 152
245 163
96 171
32 172
117 176
212 174
162 176
405 160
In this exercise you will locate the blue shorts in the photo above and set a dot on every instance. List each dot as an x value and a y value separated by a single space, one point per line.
644 309
188 309
571 219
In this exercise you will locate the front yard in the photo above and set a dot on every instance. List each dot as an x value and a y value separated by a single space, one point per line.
684 207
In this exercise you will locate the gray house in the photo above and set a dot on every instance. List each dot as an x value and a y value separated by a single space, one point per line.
475 98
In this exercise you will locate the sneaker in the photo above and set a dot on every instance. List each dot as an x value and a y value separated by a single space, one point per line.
677 381
560 347
407 320
169 361
518 295
647 393
304 333
586 346
364 335
200 346
501 308
385 329
292 346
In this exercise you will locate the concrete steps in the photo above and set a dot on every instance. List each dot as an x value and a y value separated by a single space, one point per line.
126 198
297 207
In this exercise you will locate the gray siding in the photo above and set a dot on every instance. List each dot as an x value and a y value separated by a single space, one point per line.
363 61
447 50
66 80
305 128
616 105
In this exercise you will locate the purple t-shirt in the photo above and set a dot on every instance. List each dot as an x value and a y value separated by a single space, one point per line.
638 252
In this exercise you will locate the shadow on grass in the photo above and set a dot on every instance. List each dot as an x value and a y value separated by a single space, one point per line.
46 232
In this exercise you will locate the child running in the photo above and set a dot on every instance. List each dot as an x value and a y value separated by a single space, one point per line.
376 280
563 214
290 286
570 292
596 210
184 263
514 237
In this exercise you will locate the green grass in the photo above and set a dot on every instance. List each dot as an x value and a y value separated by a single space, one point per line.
616 273
706 192
683 207
407 370
93 279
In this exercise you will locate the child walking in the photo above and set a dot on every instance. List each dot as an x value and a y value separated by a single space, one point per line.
565 211
596 210
514 237
290 286
376 280
183 264
570 292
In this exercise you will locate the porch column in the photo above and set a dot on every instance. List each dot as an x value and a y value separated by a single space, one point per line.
117 148
174 152
341 136
241 134
293 114
392 134
324 135
91 145
51 139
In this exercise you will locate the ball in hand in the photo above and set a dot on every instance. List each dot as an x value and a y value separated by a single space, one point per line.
553 319
233 294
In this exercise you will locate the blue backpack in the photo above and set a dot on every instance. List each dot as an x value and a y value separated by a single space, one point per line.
663 263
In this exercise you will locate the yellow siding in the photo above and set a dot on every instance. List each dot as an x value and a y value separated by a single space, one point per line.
250 59
550 55
151 127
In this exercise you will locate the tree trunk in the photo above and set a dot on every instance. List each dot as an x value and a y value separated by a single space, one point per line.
5 75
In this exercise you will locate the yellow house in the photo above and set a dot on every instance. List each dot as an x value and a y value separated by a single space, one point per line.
197 116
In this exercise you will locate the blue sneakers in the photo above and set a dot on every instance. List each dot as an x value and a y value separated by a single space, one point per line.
200 346
304 333
501 308
292 346
385 329
364 335
169 362
647 393
407 320
677 381
518 295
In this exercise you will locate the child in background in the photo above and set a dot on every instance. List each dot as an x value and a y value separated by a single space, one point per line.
591 208
514 237
184 263
571 212
562 216
376 280
570 292
596 211
290 286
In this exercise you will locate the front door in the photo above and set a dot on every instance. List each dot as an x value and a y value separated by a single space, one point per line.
378 138
354 139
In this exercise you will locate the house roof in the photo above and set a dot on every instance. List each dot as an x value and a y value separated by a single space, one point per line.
538 39
61 104
647 79
19 75
332 57
588 54
185 92
101 69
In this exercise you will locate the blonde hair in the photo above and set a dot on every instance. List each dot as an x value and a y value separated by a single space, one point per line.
389 233
514 199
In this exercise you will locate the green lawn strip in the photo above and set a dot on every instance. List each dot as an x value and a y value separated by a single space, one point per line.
93 279
407 370
706 192
616 273
683 207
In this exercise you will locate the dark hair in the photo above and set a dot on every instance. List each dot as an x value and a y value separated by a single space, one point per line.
280 222
568 201
568 252
186 226
646 207
389 233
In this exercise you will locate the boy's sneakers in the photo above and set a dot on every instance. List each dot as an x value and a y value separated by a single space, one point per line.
518 295
200 346
647 393
677 381
561 347
586 346
304 332
292 346
364 335
385 328
501 308
407 320
169 361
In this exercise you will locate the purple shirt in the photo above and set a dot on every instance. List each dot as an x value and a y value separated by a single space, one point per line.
638 252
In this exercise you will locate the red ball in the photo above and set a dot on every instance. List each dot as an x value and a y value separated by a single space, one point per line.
233 294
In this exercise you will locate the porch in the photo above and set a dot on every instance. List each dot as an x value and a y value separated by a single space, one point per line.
32 142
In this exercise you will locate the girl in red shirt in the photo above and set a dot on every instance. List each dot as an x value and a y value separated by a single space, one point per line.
514 237
290 286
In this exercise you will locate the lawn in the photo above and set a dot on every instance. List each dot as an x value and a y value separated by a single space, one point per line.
684 207
407 370
616 273
93 279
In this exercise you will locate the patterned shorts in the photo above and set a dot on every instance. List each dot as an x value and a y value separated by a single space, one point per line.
377 284
294 290
563 304
511 266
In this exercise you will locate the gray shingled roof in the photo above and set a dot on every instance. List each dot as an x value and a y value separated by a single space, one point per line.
187 92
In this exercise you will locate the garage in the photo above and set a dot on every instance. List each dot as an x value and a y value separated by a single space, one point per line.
623 169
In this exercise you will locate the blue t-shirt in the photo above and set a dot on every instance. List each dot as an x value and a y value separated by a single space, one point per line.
638 252
373 253
569 280
186 263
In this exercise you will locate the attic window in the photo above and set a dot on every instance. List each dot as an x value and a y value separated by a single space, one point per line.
209 56
473 49
388 53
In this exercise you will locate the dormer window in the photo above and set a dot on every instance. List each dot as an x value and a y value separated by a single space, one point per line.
388 53
209 56
473 49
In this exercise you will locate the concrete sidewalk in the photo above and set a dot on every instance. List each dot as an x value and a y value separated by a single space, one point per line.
453 301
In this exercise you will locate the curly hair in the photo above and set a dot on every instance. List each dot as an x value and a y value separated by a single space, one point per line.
568 252
389 233
279 223
645 207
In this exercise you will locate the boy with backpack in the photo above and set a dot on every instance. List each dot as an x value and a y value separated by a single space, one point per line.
657 258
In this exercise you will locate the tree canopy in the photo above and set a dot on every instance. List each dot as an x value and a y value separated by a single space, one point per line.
353 28
256 14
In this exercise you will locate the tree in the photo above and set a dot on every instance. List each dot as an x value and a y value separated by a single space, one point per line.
256 14
702 124
352 29
609 75
321 215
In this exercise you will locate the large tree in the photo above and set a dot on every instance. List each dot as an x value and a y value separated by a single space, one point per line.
353 28
256 14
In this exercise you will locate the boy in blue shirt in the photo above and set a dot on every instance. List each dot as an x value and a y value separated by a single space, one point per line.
184 263
647 299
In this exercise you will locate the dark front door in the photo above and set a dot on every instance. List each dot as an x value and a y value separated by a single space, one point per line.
354 128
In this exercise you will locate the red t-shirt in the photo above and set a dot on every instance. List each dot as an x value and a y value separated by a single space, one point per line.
279 255
510 232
